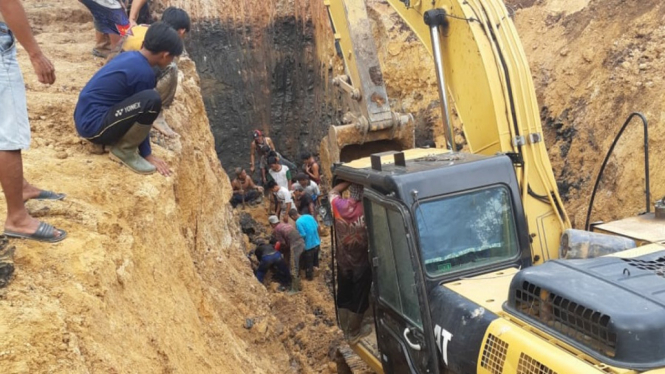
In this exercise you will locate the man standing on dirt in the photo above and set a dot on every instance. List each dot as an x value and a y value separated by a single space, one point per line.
303 200
311 167
279 173
308 229
354 275
15 127
264 148
292 247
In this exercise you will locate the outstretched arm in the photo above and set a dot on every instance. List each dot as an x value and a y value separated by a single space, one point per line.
134 11
14 14
252 147
341 187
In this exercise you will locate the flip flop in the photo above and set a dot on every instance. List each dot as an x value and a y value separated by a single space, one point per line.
49 195
44 233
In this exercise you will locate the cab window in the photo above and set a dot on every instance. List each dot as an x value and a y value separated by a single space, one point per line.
467 230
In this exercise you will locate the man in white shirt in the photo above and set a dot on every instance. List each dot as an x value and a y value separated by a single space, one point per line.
279 173
283 200
310 187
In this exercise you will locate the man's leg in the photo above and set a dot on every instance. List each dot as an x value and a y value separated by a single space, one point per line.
167 83
316 251
283 270
18 220
126 126
308 258
14 136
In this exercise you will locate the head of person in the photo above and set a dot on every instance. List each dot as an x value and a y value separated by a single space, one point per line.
307 157
356 192
162 44
273 221
257 135
178 19
240 173
298 190
303 179
293 213
274 164
272 186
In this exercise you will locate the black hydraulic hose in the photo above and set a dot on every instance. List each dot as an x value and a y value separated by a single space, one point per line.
607 157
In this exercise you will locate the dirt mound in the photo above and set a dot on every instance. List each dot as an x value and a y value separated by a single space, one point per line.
594 62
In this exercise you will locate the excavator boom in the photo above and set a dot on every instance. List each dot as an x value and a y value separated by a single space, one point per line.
482 67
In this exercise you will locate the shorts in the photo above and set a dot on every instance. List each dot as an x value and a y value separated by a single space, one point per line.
14 124
109 16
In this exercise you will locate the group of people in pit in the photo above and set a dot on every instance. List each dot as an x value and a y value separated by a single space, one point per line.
297 197
115 111
293 196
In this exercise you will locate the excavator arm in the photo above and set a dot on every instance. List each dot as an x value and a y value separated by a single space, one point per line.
482 71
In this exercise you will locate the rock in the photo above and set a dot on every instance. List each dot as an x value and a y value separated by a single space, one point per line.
643 66
564 52
61 155
587 56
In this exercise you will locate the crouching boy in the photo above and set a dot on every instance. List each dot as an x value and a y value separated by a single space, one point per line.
119 104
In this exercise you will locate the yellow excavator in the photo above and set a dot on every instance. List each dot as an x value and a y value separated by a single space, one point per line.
475 266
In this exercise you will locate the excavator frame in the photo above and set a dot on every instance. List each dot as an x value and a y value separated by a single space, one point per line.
473 320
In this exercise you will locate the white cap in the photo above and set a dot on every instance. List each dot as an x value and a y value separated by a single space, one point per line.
273 220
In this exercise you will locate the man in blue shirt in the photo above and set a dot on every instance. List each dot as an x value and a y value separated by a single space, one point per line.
309 230
119 104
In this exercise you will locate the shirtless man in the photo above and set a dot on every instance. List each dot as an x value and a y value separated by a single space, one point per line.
15 127
311 167
244 189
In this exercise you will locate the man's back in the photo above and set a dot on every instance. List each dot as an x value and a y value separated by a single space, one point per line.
287 234
309 230
135 37
124 76
313 189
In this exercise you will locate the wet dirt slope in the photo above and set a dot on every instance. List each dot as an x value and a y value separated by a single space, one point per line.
153 277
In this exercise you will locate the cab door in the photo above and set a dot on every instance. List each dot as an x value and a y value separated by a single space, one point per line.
403 326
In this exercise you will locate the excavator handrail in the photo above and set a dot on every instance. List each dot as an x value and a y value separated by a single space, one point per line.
645 124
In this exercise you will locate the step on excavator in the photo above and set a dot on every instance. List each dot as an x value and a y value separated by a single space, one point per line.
475 266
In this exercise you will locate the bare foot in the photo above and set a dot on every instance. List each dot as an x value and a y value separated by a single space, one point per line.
163 127
30 191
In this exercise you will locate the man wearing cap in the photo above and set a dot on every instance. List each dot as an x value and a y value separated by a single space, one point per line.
292 246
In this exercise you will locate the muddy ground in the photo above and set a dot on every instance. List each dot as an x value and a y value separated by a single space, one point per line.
154 277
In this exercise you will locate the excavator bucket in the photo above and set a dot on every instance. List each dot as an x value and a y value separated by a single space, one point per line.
369 125
346 143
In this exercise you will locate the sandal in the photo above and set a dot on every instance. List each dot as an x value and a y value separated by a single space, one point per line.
44 233
49 195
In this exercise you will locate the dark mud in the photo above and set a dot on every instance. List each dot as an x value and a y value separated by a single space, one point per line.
261 78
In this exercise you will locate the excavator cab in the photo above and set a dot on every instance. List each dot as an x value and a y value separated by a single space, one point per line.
433 216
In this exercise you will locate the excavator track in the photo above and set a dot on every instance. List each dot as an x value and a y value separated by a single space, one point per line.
359 359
